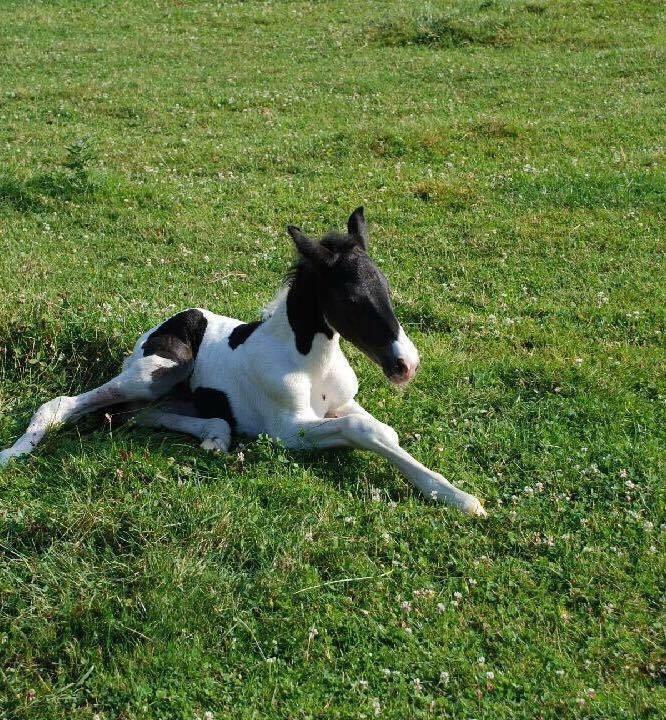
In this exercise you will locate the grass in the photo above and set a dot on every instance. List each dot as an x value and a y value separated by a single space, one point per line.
510 157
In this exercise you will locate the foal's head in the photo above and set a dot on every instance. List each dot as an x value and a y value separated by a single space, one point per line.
355 296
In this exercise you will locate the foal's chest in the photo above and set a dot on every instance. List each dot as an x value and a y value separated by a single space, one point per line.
334 389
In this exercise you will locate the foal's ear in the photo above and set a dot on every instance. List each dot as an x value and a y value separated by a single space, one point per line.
357 228
308 249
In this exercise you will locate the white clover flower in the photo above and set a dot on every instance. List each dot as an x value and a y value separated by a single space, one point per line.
481 660
490 675
418 685
376 707
425 592
444 677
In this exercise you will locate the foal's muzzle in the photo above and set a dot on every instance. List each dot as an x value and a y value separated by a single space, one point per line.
402 360
402 372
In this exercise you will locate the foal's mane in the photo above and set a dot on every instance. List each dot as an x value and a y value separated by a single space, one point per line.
338 243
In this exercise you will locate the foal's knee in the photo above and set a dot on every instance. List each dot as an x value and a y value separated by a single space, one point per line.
367 431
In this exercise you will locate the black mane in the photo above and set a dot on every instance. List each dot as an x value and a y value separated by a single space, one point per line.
338 243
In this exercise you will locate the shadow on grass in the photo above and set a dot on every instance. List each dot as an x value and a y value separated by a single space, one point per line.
42 191
61 358
440 31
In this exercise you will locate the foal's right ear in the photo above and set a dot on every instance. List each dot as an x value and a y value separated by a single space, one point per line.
308 249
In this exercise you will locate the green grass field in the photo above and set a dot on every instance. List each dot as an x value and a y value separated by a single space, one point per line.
510 156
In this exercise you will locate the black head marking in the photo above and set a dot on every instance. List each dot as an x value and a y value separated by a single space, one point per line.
335 284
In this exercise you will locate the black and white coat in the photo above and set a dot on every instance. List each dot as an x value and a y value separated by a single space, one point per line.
285 376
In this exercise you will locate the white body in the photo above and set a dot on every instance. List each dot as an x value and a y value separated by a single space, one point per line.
267 381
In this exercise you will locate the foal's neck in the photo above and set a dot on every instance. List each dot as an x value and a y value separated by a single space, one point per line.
297 316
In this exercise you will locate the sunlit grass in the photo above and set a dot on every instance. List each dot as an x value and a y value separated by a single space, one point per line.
510 158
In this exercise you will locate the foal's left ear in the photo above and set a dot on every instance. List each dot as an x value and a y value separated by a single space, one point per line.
357 228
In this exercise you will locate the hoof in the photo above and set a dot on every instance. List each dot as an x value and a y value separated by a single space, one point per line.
5 457
475 509
215 445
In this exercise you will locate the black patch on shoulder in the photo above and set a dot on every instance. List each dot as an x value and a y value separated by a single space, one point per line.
241 333
304 311
211 403
178 338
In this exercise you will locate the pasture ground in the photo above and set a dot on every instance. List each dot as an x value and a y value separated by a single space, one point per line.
510 156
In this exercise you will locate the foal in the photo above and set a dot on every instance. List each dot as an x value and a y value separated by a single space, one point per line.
284 376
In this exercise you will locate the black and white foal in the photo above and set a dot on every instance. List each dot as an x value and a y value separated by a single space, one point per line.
284 376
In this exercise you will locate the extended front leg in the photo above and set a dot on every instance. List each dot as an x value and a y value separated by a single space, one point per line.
365 432
351 407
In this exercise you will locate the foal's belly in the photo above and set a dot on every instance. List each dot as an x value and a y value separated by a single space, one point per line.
220 367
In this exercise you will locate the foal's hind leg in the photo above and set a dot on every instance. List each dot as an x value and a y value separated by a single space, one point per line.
143 378
214 433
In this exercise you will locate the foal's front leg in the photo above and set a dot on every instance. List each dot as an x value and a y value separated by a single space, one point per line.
366 432
351 407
